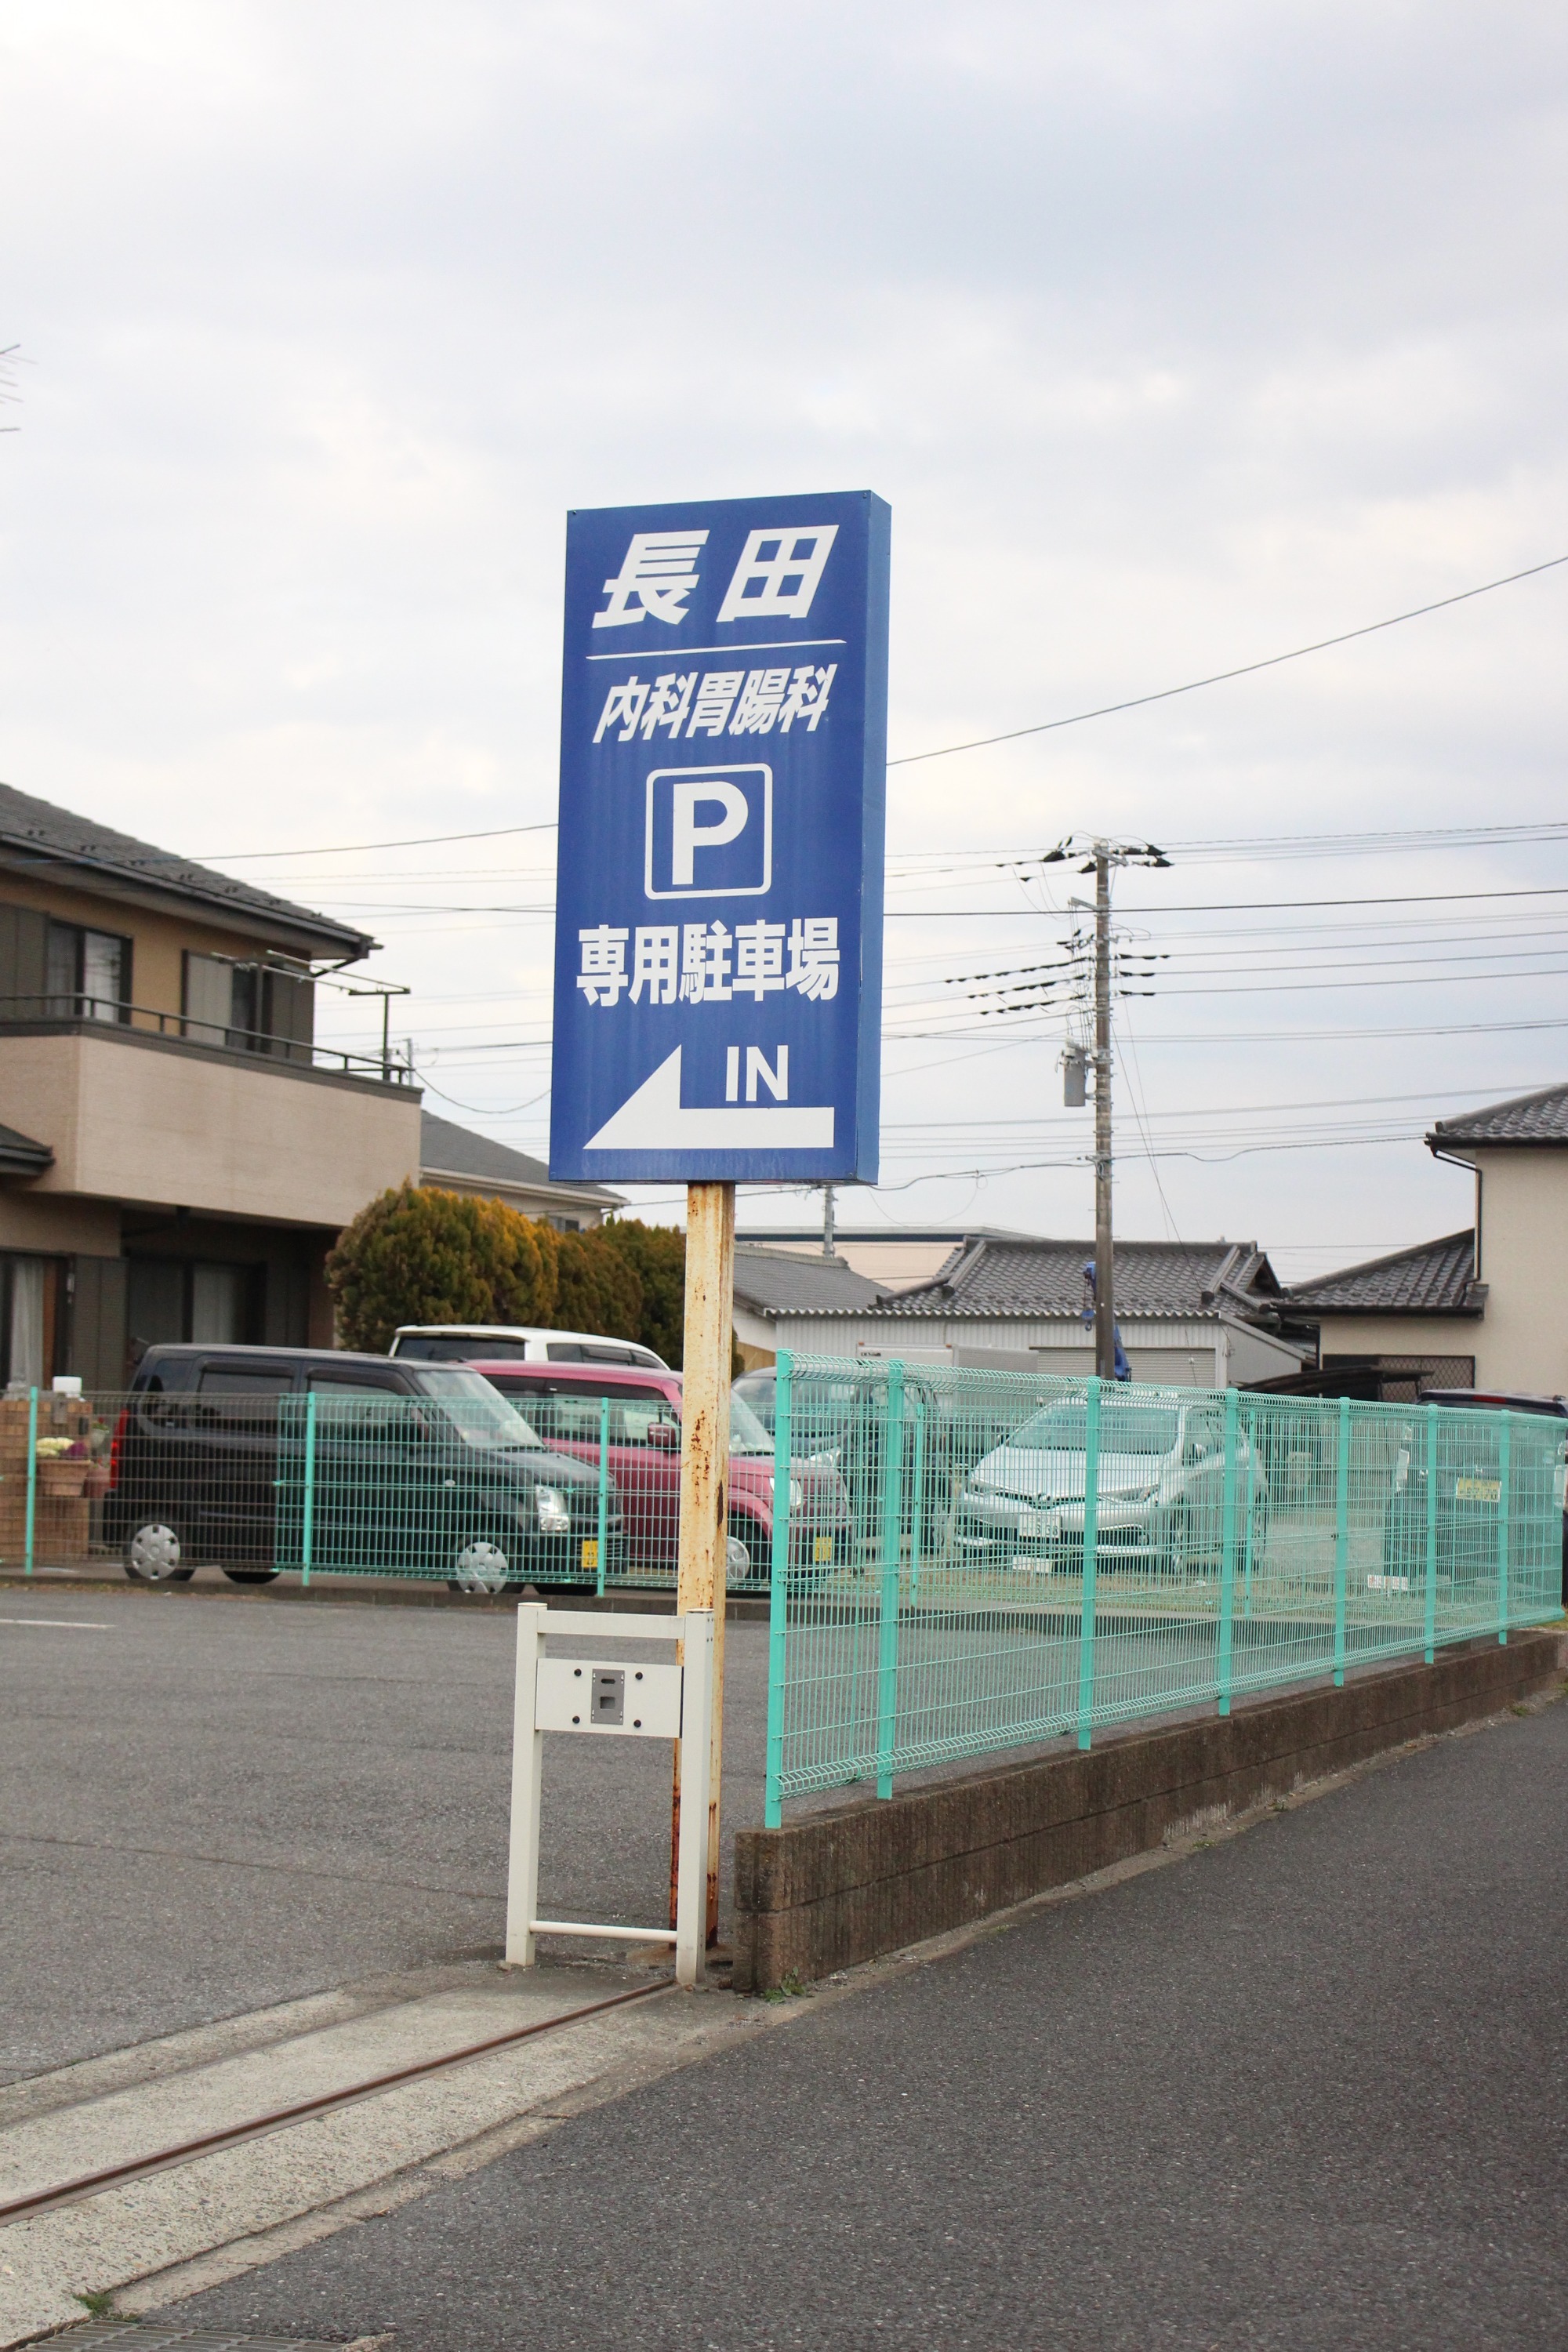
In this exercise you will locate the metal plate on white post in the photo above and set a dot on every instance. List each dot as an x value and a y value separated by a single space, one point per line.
608 1695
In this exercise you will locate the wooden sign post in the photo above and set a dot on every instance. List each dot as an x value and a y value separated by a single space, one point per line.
705 1471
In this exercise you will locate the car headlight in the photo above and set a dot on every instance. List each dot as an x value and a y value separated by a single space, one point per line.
1135 1495
552 1511
797 1492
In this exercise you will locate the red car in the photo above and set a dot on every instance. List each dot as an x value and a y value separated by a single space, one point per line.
566 1404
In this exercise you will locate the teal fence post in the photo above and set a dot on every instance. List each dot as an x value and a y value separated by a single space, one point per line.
603 1491
1504 1451
1430 1649
772 1803
32 1473
917 1513
1342 1536
1227 1550
887 1612
307 1529
1090 1547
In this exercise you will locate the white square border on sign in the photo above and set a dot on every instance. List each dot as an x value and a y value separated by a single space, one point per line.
738 890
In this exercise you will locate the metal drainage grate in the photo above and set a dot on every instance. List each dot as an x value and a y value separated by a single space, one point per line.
150 2336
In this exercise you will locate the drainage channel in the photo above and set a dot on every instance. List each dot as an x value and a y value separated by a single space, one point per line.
90 2184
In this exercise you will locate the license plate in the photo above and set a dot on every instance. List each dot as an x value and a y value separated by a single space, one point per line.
1478 1490
822 1550
1042 1524
590 1552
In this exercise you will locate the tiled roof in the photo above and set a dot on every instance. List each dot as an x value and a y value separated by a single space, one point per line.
1017 1278
447 1149
1540 1117
786 1282
1434 1278
37 833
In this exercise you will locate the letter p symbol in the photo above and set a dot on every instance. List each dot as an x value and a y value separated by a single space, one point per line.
687 837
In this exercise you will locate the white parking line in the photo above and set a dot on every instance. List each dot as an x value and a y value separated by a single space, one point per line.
77 1624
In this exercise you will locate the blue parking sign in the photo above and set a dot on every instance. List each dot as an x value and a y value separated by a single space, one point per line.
718 895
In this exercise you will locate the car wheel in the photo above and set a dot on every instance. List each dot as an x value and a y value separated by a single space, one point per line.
1178 1558
480 1567
743 1553
155 1553
251 1575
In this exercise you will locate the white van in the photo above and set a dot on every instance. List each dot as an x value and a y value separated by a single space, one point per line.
476 1343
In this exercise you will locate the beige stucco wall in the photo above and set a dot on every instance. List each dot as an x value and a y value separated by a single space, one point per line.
133 1119
1522 1343
1401 1335
31 1220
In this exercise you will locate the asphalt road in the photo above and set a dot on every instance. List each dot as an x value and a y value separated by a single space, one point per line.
1304 2090
207 1806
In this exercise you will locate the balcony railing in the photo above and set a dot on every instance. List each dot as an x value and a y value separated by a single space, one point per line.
68 1012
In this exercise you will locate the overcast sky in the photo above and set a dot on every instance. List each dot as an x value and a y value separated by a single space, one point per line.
1176 336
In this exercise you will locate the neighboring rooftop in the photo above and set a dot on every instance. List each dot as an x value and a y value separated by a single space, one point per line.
37 836
20 1156
1434 1278
448 1150
773 1281
1004 1277
1540 1117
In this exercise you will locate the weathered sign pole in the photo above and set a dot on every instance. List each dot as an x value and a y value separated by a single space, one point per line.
705 1470
719 909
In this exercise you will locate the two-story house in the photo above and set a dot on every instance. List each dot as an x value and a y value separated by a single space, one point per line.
177 1153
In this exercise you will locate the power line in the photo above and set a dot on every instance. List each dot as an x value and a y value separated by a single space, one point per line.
1219 677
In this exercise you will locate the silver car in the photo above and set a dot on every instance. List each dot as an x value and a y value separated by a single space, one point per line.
1160 1490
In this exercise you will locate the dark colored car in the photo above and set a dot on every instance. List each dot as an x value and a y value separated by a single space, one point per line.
640 1412
1469 1485
418 1470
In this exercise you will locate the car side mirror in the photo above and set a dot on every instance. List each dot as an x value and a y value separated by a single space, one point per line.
664 1434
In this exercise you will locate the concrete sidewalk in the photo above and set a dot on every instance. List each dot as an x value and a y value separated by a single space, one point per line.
1301 2090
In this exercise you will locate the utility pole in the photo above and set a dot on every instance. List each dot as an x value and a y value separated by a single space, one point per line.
1104 1239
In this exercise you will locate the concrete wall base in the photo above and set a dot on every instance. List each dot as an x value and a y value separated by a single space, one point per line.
842 1885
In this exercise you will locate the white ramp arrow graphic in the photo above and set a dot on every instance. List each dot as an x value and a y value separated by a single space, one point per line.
655 1119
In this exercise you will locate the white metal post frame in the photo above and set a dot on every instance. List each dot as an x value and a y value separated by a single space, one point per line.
611 1698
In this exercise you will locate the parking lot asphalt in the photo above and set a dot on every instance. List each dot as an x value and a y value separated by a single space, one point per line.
207 1807
1297 2093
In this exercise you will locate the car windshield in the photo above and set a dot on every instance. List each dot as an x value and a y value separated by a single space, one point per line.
1123 1429
482 1416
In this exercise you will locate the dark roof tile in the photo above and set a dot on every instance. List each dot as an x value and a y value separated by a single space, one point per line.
1540 1118
1434 1278
1010 1279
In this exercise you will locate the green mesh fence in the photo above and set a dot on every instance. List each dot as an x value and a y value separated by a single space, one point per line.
1029 1558
487 1485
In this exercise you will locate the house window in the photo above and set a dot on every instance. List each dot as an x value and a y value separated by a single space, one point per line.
184 1299
250 1008
87 974
29 1319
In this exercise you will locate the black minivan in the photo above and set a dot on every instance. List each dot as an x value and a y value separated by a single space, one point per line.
262 1459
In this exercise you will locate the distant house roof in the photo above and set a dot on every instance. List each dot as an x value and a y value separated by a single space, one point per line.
784 1281
1434 1278
1540 1118
447 1149
997 1279
36 834
20 1156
